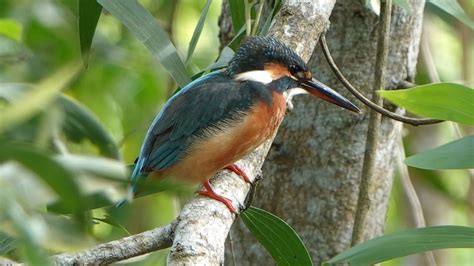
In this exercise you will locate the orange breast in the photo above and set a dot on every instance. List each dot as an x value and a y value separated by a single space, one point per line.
226 146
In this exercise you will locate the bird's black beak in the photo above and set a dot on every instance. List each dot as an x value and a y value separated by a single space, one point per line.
322 91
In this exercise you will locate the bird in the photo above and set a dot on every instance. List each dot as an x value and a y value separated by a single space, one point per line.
220 117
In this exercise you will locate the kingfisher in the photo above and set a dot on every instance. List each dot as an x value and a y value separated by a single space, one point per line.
219 118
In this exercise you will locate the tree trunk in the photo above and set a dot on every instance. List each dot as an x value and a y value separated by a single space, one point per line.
313 169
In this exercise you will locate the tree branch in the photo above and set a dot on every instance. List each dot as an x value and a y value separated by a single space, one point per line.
128 247
365 201
365 100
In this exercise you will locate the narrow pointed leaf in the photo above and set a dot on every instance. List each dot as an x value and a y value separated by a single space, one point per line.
198 30
454 9
145 27
266 26
113 222
278 238
235 42
223 60
82 123
101 167
406 243
458 154
237 13
92 201
7 243
31 250
11 29
89 13
60 179
79 122
100 199
446 101
40 96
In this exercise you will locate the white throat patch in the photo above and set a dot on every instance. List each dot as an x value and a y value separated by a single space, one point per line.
261 76
289 96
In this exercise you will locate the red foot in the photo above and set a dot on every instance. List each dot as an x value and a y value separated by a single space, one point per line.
209 192
234 168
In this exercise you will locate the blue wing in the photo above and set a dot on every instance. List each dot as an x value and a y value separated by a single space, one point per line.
201 104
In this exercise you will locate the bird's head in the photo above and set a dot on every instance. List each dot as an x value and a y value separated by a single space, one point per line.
265 60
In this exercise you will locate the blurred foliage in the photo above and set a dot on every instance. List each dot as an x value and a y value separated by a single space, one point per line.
102 112
77 137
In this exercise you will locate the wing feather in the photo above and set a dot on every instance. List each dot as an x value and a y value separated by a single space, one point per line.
190 114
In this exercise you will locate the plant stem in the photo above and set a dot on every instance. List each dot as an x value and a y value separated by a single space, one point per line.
405 119
365 200
248 19
259 15
414 205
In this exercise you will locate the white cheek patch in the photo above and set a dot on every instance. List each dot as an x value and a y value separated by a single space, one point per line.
261 76
289 94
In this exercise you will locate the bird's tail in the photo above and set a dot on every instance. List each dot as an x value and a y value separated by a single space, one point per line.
134 179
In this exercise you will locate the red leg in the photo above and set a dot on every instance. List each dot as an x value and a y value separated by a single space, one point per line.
234 168
209 192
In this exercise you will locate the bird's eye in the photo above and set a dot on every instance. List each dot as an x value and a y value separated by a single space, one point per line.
293 69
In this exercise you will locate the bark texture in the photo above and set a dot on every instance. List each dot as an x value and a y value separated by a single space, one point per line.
312 172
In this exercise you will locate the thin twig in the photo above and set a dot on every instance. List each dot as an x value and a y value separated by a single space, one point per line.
248 18
413 200
259 15
128 247
364 201
365 100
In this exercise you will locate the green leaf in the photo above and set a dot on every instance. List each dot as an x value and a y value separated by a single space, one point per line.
60 179
406 243
197 31
82 123
145 27
223 60
454 9
235 42
92 201
237 13
100 167
111 221
458 154
89 13
45 92
7 243
31 250
79 122
11 29
266 26
446 101
100 199
12 52
278 238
